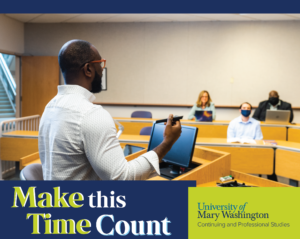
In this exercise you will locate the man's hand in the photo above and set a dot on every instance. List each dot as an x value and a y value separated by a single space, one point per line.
171 134
172 131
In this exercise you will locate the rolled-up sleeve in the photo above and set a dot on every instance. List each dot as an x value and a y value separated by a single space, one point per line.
105 154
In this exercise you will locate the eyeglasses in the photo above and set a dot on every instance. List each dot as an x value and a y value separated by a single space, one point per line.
102 62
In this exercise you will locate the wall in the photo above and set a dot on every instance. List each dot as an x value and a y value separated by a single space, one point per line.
11 35
163 112
172 62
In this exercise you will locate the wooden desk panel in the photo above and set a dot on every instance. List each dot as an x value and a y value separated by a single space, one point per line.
274 133
13 149
250 160
288 164
210 131
294 135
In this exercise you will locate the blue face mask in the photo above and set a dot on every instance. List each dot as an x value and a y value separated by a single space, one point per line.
246 113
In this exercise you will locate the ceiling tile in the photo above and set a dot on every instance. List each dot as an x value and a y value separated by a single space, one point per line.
129 17
269 17
155 18
294 15
183 17
23 17
86 18
53 18
93 18
224 17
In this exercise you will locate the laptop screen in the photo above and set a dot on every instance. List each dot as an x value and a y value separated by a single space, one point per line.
205 115
182 151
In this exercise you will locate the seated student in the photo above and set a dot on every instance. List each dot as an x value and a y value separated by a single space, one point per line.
244 127
274 103
203 103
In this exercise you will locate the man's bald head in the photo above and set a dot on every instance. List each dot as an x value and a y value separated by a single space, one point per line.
74 54
274 94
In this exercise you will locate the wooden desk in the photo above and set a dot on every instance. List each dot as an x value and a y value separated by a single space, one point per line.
249 180
256 159
288 164
294 133
17 144
213 164
248 158
215 129
208 174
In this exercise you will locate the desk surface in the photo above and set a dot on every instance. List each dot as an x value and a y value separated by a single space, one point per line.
217 142
144 139
22 134
215 122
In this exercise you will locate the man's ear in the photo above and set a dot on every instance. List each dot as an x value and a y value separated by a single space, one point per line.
87 70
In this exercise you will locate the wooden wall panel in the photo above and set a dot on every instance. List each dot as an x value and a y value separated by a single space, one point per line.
40 78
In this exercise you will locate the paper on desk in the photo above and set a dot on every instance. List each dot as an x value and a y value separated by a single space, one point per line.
242 141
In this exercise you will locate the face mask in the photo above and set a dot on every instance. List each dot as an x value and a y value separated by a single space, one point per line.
246 113
273 100
97 84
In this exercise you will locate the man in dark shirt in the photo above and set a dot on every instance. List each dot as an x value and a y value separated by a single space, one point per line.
273 103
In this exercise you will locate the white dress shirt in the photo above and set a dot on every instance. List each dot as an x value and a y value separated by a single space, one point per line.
77 141
244 130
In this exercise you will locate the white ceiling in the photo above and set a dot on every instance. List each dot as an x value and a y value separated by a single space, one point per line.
92 18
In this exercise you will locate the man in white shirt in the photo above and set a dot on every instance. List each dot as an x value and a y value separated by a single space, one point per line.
244 127
77 139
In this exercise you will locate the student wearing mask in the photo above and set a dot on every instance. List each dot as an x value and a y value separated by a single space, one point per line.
203 103
244 127
274 103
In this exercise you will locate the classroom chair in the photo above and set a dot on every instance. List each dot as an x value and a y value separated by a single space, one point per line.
141 114
32 172
146 130
131 149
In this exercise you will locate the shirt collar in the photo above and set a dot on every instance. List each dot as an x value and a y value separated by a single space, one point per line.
248 122
75 89
279 103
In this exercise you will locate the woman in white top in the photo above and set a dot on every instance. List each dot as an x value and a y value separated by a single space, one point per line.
203 103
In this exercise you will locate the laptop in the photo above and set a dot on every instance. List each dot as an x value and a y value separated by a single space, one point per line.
178 160
278 117
203 115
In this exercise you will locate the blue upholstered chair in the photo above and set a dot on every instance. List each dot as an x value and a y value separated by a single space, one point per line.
146 131
141 114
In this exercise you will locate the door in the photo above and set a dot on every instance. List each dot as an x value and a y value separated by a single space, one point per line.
40 78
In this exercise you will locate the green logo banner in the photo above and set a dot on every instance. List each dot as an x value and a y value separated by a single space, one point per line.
247 212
